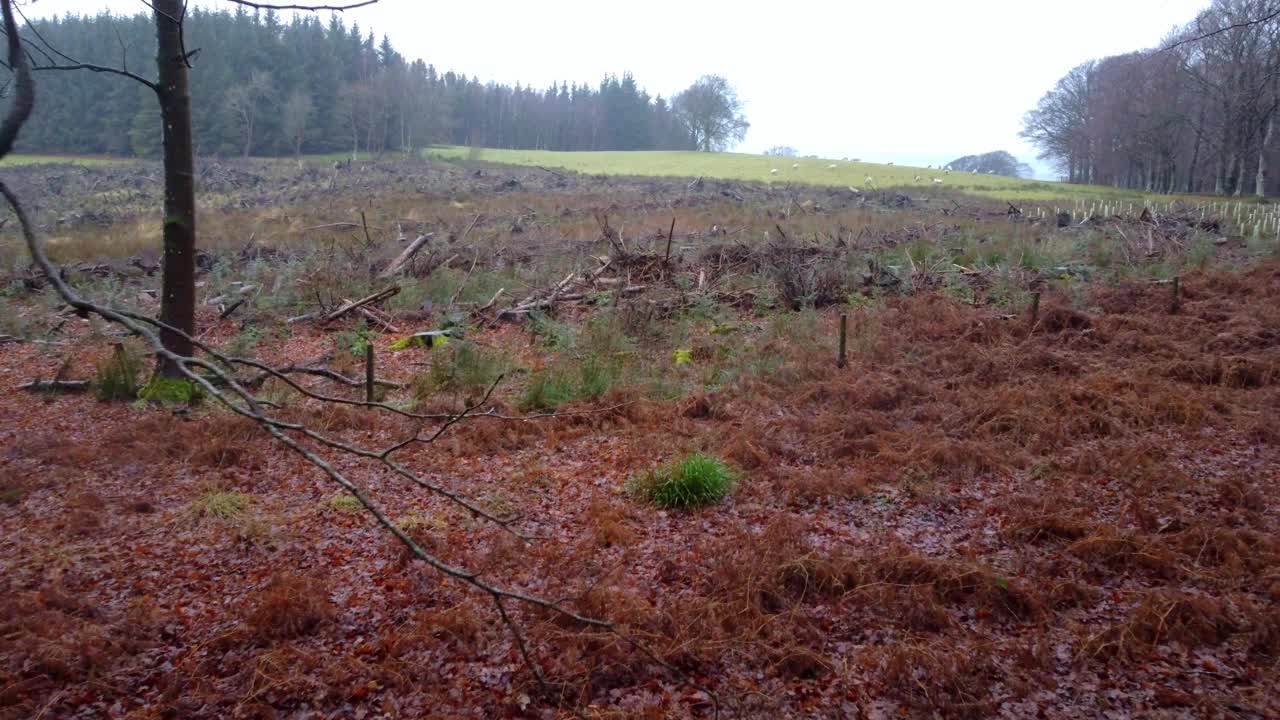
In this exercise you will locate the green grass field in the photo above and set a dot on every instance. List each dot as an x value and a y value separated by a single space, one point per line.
745 167
65 160
740 166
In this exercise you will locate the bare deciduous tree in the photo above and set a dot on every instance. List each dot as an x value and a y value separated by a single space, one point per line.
1194 115
244 101
712 111
294 116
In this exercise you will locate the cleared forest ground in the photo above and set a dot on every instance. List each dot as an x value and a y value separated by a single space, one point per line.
984 513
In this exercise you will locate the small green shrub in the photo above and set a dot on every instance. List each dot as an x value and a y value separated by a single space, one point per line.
220 505
552 333
117 375
693 481
463 366
354 341
243 343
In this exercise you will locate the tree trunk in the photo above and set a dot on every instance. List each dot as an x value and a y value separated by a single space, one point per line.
178 288
1191 170
1260 181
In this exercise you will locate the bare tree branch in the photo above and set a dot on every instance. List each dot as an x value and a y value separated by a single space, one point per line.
1224 29
70 63
99 69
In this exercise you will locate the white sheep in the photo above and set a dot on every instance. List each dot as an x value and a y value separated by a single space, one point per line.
937 181
773 171
947 171
795 166
832 166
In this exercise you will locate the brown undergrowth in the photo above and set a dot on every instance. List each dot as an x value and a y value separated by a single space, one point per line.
977 516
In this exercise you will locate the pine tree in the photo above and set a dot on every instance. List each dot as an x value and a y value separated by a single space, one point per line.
364 95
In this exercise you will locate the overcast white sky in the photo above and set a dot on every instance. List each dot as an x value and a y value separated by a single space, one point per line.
918 82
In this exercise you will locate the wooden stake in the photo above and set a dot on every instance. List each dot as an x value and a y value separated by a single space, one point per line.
1175 294
368 371
1035 310
844 336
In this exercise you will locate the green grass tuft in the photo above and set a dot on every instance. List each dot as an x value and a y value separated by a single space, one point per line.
547 390
221 505
696 480
345 502
117 376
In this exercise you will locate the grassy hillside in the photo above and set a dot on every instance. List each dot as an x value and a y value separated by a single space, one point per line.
739 166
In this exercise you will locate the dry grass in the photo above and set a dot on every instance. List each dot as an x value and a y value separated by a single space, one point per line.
288 606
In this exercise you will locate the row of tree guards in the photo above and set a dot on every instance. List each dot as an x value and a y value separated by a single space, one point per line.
1255 218
1033 317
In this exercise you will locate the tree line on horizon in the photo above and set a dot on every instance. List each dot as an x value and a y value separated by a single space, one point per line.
1195 115
263 86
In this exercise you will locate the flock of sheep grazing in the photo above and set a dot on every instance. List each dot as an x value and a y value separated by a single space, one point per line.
870 181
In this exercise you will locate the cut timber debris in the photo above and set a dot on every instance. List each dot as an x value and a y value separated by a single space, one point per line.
405 256
351 305
56 386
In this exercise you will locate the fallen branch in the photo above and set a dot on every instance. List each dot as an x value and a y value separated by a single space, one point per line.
318 372
534 302
405 256
462 285
230 309
492 300
348 306
553 172
334 226
378 319
13 339
56 386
